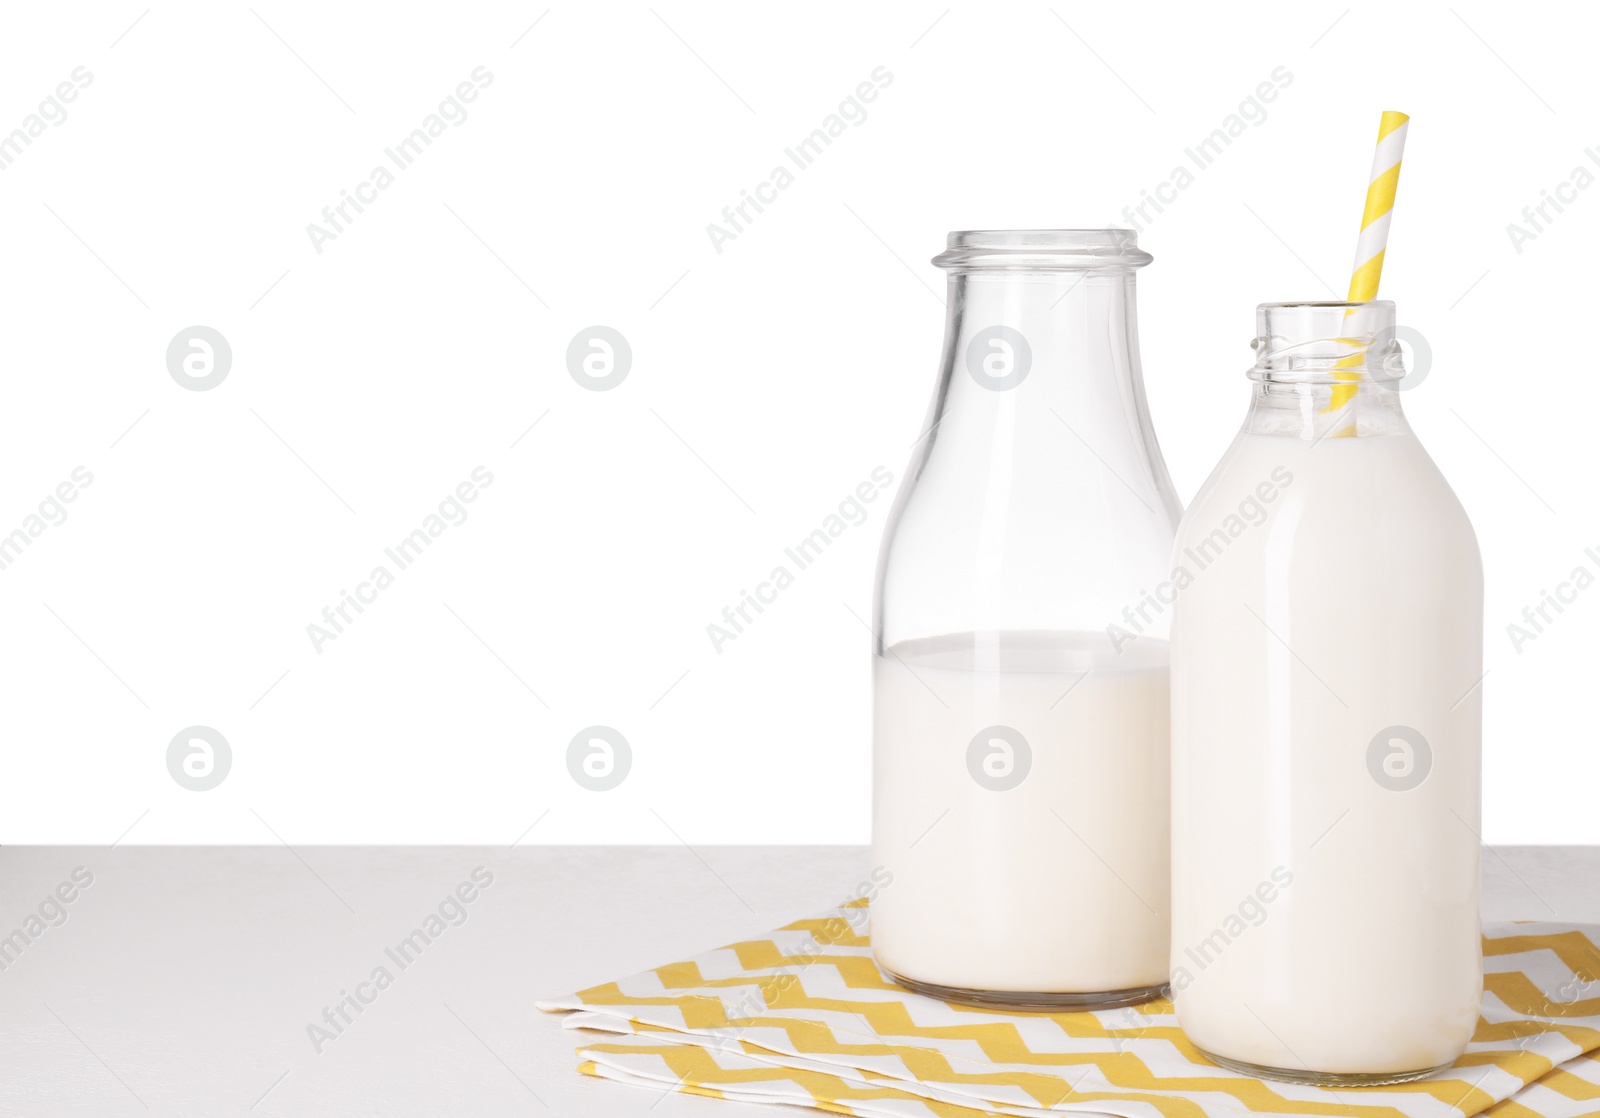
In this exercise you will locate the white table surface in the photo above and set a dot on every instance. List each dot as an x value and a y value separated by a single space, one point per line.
183 979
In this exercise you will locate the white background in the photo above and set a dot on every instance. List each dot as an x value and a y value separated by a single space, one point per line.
767 381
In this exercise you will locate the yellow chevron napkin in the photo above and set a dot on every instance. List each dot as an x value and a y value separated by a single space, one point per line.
803 1016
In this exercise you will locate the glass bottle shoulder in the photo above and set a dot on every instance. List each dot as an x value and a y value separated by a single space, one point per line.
1360 495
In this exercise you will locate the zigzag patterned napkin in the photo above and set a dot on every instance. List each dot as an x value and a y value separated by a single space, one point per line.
804 1017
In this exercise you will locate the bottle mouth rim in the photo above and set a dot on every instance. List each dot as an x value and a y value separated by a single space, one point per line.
1376 305
1042 249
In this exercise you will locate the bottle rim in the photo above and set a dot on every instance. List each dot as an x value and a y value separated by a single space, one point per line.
1042 250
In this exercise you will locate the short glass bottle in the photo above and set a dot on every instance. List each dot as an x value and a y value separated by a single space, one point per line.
1327 649
1020 794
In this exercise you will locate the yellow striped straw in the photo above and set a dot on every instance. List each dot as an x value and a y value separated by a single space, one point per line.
1373 240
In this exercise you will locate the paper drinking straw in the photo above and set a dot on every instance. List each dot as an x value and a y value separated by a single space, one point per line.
1374 238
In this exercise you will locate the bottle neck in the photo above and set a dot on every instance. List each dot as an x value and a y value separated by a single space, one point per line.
1042 366
1316 411
1326 369
1041 341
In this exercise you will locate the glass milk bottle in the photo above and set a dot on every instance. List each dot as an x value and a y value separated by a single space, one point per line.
1020 795
1327 648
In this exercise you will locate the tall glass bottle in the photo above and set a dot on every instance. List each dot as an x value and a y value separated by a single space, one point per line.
1327 651
1020 794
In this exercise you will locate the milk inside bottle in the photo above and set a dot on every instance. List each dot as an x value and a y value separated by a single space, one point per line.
1043 864
1326 655
1020 799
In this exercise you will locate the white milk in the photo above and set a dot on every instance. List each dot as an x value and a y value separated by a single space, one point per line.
1321 920
1058 884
